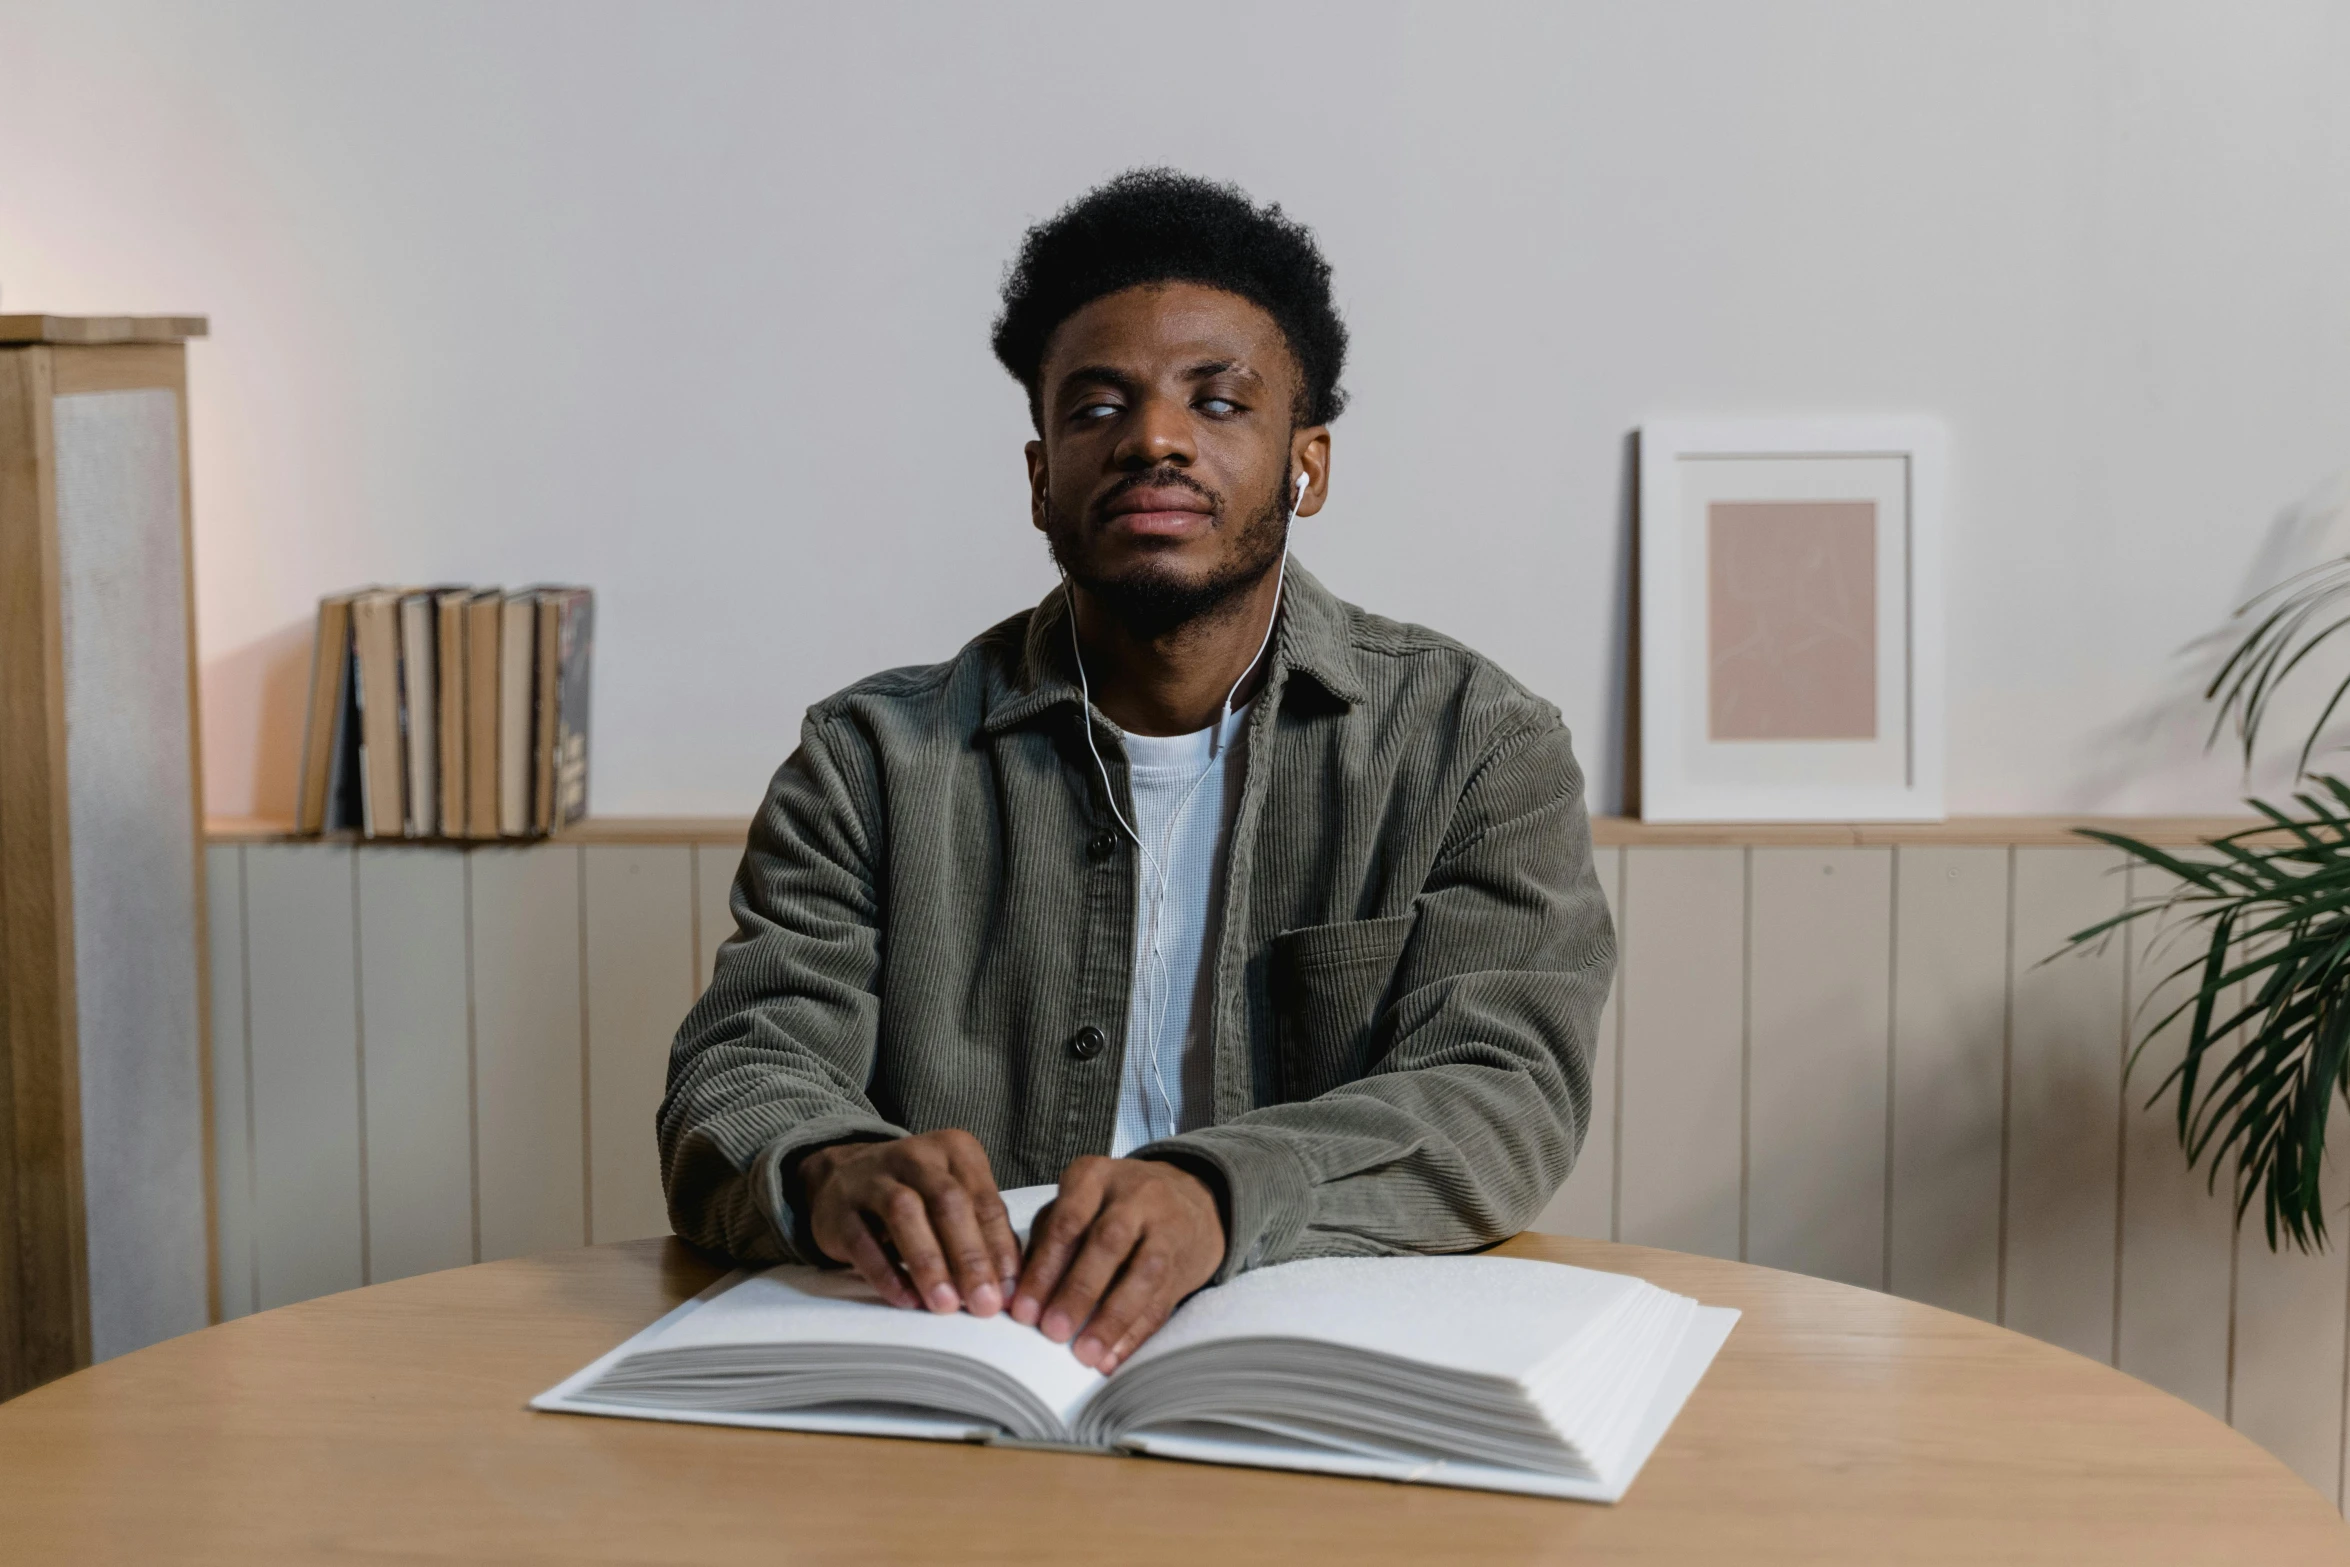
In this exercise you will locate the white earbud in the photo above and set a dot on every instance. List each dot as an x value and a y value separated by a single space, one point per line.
1303 480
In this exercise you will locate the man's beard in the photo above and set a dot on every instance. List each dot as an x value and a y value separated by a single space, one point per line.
1151 601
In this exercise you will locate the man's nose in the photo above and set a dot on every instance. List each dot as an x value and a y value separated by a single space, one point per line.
1160 432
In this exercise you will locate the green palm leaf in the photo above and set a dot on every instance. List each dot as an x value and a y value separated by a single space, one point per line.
2268 1016
2267 1013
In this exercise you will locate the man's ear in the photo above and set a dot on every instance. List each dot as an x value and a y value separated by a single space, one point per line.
1309 454
1037 489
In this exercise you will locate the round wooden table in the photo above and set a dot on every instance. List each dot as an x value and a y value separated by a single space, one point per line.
388 1424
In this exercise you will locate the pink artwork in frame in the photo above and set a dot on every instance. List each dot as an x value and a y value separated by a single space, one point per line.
1791 635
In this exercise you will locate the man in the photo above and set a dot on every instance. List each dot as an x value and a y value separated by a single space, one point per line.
1264 926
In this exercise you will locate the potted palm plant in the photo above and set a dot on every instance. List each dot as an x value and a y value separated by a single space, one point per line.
2266 912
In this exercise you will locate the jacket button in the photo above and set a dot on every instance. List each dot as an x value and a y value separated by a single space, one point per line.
1087 1043
1104 844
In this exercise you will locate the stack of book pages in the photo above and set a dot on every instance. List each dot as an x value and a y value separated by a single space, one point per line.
1496 1373
448 712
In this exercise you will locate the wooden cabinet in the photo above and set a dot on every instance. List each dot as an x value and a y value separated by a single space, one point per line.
103 1202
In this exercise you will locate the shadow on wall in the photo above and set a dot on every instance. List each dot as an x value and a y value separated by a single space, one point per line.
1623 673
2164 737
1817 1205
255 701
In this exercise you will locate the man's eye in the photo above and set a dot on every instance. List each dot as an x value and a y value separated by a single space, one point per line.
1219 405
1097 411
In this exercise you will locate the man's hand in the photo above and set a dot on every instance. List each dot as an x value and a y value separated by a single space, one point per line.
932 1199
1142 1233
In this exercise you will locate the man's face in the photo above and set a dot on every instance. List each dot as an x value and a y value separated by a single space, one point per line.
1163 476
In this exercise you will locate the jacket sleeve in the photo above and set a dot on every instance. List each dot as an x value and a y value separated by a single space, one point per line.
775 1058
1480 1089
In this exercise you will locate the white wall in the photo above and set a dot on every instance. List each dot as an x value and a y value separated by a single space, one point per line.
691 303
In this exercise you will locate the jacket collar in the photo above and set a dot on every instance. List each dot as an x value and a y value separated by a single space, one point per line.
1313 639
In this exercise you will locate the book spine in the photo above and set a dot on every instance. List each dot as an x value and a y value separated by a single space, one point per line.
482 685
515 690
382 803
449 614
343 787
419 694
329 664
543 725
576 650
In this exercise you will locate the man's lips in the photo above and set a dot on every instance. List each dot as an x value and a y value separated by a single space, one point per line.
1160 511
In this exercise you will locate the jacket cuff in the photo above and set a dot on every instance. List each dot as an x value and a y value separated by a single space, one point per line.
775 1176
1268 1190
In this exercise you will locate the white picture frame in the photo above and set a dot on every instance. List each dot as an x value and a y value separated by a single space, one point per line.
1790 657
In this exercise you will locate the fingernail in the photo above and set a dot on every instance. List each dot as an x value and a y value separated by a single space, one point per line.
1024 1311
985 1301
943 1297
1089 1350
1058 1327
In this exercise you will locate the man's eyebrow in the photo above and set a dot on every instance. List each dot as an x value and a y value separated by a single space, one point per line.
1099 375
1124 381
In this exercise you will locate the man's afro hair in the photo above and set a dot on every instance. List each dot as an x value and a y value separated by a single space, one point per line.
1164 226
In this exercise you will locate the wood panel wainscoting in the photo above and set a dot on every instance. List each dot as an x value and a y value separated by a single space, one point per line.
1837 1050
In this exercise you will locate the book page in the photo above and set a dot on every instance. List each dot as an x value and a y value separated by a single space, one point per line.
1023 1204
1491 1316
796 1305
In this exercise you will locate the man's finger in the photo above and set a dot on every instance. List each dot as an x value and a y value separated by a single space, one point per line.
864 1253
1140 1330
1108 1243
954 1220
907 1217
1132 1311
1052 1244
995 1226
995 1220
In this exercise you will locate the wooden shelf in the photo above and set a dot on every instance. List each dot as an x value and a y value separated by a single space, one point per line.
597 829
1606 831
2044 831
93 330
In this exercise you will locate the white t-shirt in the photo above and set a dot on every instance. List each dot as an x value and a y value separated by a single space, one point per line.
1186 793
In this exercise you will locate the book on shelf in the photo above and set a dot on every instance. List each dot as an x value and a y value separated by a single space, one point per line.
517 647
482 642
326 799
448 712
375 633
567 630
449 667
419 706
1495 1373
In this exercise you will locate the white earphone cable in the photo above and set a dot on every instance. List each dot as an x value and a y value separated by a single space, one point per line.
1160 994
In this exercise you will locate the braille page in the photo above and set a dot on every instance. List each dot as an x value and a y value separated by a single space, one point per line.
565 1397
794 1305
1023 1203
1487 1316
1699 1343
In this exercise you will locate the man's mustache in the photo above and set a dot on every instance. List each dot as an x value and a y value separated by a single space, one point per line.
1158 479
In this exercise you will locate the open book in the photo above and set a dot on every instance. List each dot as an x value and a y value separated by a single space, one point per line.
1492 1372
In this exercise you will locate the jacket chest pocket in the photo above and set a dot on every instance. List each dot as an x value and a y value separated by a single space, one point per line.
1330 983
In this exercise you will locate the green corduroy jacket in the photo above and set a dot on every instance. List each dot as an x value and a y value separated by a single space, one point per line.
935 928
